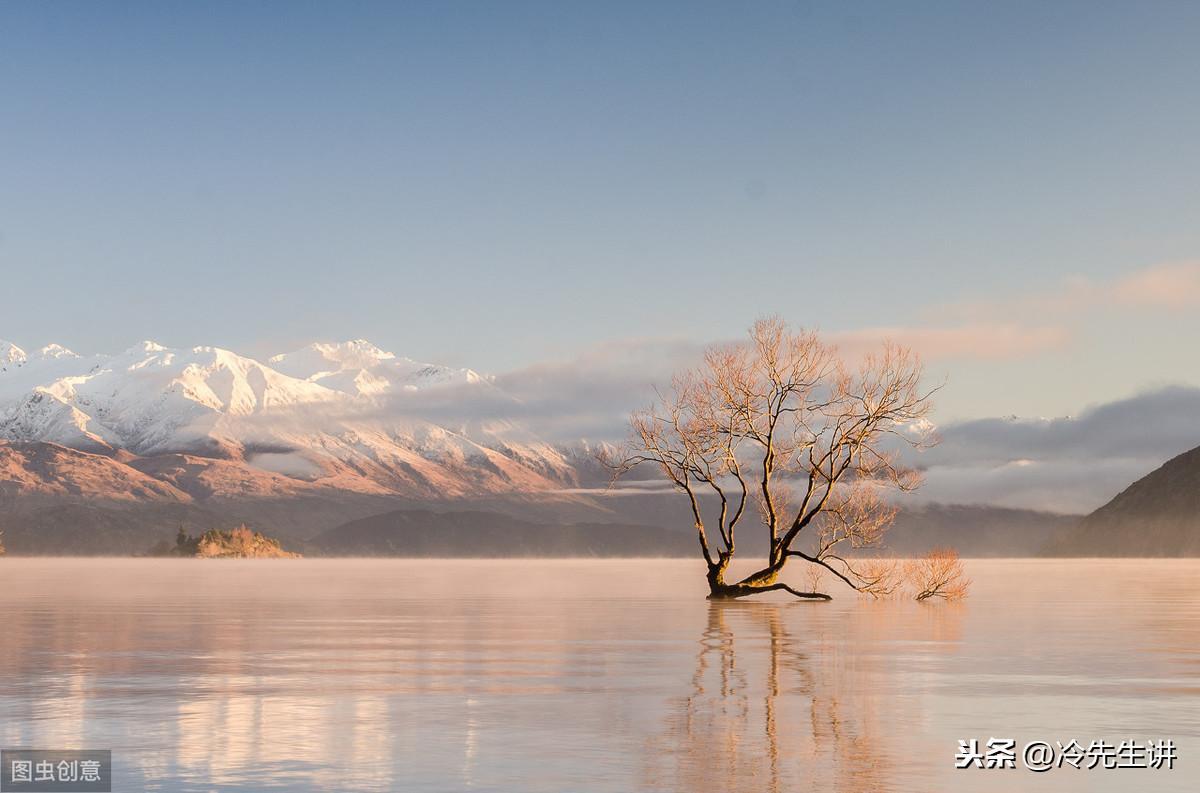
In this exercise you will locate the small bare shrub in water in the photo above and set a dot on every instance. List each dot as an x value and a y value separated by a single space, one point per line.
938 574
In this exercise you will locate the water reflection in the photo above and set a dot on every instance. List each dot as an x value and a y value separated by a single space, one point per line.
766 714
387 676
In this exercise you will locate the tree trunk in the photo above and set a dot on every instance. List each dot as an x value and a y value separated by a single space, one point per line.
716 575
764 580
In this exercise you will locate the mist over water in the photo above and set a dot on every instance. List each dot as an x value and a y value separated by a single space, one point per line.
610 675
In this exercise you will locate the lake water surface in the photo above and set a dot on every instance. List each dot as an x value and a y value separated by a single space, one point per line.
588 675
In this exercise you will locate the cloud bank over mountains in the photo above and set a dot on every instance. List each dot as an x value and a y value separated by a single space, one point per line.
1069 464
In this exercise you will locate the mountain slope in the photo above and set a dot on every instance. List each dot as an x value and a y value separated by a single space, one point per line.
1158 515
40 471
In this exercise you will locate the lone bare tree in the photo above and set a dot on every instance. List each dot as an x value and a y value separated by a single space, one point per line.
781 421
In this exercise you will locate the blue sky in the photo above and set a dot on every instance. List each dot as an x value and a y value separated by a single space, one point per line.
502 184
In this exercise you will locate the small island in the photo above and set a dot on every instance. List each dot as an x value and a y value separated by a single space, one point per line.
239 543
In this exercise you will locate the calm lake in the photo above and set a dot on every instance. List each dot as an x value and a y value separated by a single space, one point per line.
320 675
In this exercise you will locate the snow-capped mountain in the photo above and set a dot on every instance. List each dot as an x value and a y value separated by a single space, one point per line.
362 369
11 354
346 416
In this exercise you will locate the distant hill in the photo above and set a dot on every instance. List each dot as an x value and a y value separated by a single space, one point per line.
80 529
975 530
1158 515
422 533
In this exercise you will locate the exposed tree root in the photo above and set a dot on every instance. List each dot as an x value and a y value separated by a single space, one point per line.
732 591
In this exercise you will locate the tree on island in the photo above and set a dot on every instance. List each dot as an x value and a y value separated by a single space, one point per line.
782 423
240 542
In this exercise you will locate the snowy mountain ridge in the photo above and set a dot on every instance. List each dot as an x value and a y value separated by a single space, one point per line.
347 415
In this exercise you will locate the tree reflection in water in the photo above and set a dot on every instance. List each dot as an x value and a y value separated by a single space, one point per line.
770 712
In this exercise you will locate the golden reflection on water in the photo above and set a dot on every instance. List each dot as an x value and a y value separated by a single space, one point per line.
588 675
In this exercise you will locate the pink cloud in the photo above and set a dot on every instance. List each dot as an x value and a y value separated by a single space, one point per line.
1170 286
989 341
